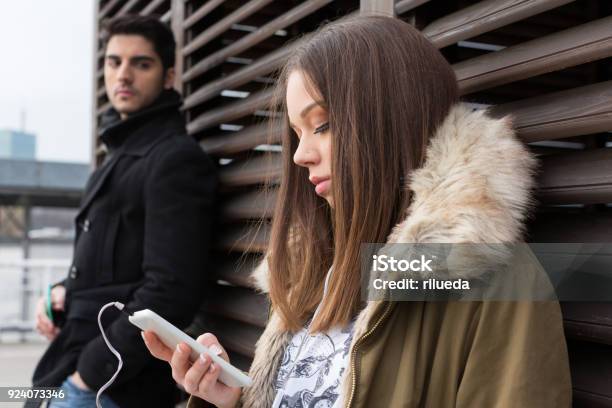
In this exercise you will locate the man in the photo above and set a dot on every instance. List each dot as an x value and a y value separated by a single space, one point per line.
142 230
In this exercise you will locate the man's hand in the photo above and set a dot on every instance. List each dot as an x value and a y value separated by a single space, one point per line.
78 381
44 325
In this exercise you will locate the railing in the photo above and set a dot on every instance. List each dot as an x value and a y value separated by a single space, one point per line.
22 283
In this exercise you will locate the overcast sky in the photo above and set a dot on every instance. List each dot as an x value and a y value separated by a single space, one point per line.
46 70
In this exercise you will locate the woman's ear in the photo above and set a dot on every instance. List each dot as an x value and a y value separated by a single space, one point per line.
169 78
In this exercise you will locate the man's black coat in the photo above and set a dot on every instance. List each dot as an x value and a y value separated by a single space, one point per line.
142 239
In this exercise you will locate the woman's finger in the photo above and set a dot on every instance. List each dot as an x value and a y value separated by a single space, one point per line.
195 373
210 341
208 384
180 362
156 347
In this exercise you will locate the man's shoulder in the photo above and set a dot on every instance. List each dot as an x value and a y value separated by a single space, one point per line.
179 147
177 144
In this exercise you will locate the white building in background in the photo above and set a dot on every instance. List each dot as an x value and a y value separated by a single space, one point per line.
16 144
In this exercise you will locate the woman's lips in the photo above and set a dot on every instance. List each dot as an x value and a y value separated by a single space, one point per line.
322 187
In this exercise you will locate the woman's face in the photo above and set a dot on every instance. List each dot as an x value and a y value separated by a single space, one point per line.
310 122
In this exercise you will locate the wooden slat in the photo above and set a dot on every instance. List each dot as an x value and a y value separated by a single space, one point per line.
239 304
200 13
484 16
251 237
254 171
577 45
407 5
166 17
295 14
152 6
585 399
230 112
245 139
588 321
236 269
384 7
262 66
103 108
234 336
252 205
177 14
583 177
224 24
567 226
591 371
127 7
107 9
577 111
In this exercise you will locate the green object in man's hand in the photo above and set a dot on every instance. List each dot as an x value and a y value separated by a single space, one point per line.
49 309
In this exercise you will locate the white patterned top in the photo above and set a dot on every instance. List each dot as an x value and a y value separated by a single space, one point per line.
313 367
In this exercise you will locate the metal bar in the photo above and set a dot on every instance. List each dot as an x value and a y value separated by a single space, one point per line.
25 278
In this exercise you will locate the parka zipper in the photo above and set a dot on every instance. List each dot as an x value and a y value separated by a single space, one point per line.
354 376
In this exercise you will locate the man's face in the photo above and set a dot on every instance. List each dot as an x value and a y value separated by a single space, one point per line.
133 73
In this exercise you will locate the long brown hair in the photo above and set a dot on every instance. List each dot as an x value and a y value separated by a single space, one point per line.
386 89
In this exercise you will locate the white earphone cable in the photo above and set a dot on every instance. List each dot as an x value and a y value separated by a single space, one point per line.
119 306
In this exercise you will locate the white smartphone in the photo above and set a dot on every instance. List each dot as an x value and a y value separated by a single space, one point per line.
171 336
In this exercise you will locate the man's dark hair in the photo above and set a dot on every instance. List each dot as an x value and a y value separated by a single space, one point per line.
158 33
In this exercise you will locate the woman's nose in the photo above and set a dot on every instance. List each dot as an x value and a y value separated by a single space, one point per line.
306 154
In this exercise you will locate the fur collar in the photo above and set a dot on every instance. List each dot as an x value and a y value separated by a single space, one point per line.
474 187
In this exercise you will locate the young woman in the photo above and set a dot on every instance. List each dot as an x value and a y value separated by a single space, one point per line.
376 148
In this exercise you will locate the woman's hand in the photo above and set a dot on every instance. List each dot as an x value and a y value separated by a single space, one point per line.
199 378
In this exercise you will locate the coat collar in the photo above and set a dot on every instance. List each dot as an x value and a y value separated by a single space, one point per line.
137 134
134 136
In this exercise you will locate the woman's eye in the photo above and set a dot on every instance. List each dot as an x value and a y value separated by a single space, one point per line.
323 128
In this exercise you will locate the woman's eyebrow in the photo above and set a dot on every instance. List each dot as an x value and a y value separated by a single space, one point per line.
310 106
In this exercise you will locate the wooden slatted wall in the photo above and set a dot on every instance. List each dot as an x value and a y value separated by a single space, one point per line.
548 64
545 61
